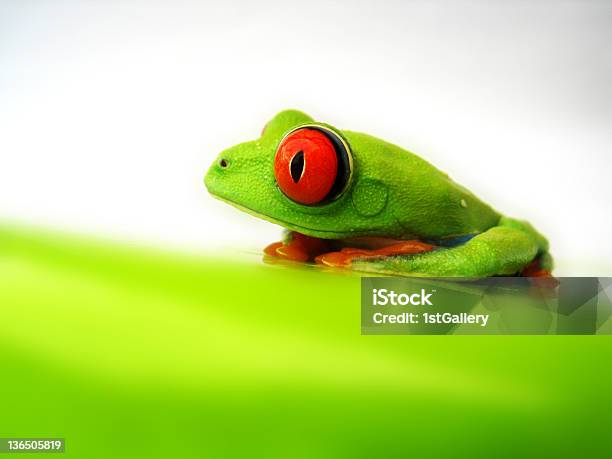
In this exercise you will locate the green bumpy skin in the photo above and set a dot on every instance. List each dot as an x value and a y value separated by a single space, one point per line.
392 193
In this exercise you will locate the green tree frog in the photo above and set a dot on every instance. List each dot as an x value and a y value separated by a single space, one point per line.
350 200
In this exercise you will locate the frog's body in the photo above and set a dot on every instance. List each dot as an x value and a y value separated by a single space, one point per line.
385 192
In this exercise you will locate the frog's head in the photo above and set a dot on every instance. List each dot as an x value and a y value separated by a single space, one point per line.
299 174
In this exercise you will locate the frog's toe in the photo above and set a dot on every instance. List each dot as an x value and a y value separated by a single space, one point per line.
535 269
540 273
286 251
298 247
334 259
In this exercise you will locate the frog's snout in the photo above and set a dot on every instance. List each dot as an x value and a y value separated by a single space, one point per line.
215 175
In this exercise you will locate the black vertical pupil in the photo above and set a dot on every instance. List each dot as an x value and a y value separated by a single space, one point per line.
297 166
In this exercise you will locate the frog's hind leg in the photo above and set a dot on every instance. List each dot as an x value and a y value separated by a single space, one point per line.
298 247
503 250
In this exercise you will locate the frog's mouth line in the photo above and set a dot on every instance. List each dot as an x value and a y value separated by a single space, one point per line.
285 224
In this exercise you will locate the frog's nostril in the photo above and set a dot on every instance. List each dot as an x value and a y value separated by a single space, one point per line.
223 163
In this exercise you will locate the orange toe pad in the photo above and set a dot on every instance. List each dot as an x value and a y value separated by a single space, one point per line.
299 248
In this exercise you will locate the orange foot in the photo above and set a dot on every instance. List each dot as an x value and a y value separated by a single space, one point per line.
542 277
345 257
299 248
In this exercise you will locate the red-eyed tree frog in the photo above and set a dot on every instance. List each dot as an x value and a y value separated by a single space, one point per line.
351 200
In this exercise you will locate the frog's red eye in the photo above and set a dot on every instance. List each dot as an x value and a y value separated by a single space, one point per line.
311 165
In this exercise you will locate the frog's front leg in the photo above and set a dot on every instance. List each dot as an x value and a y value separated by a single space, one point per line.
298 247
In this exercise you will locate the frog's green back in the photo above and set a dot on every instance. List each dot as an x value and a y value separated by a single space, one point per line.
423 200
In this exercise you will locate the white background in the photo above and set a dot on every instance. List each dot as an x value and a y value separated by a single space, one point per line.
110 112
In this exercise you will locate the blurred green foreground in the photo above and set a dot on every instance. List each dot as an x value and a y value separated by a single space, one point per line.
130 352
